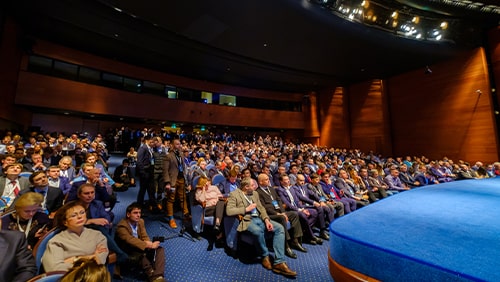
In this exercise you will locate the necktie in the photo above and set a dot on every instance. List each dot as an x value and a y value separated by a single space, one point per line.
291 197
16 188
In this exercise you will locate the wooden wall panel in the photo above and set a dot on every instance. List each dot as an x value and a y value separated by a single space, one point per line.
441 114
334 118
50 92
369 117
10 56
494 48
311 121
80 58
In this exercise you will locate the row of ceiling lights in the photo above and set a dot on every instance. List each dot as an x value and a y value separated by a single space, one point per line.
404 24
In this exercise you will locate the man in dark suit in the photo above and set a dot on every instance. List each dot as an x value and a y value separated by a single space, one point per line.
325 213
57 181
175 181
274 208
53 197
308 216
123 176
230 184
18 263
66 170
11 184
347 188
216 169
145 166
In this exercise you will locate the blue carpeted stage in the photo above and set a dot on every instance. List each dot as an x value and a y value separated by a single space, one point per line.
445 232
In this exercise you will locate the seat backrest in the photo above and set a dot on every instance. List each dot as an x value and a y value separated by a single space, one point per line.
195 182
41 245
48 277
218 178
26 174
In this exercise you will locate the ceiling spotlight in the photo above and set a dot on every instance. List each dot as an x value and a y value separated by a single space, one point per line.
427 70
444 25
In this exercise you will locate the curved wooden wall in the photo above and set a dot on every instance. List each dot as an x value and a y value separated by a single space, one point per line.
442 113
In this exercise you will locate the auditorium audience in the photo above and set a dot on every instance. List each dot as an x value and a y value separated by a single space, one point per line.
348 176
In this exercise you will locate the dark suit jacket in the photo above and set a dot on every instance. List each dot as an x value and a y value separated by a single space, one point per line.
101 193
54 200
225 185
64 185
18 264
288 201
118 173
307 197
267 201
348 190
143 159
213 171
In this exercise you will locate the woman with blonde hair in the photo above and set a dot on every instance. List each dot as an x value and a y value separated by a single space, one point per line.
28 218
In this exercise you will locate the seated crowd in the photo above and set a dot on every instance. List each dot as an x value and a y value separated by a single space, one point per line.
291 192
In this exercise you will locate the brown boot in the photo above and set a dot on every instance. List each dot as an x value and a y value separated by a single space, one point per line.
266 263
282 268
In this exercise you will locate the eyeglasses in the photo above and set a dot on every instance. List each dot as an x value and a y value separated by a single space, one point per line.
76 214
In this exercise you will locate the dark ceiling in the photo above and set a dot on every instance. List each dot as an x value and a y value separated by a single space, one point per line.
284 45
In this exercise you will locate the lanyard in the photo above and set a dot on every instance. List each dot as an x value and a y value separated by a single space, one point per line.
268 192
28 226
248 200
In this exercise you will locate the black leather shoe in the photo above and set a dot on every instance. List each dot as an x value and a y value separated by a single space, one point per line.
312 242
290 253
324 235
297 246
216 229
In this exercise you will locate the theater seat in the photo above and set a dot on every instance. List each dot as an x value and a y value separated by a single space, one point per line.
40 247
48 277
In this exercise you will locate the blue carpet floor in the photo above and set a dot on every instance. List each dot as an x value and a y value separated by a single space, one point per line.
190 261
446 232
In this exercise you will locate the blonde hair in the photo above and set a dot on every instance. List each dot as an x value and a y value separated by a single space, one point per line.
28 199
201 182
200 160
87 270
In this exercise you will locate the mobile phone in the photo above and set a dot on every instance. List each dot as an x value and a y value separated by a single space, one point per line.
42 228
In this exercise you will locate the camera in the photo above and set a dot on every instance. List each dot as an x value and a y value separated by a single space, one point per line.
160 239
